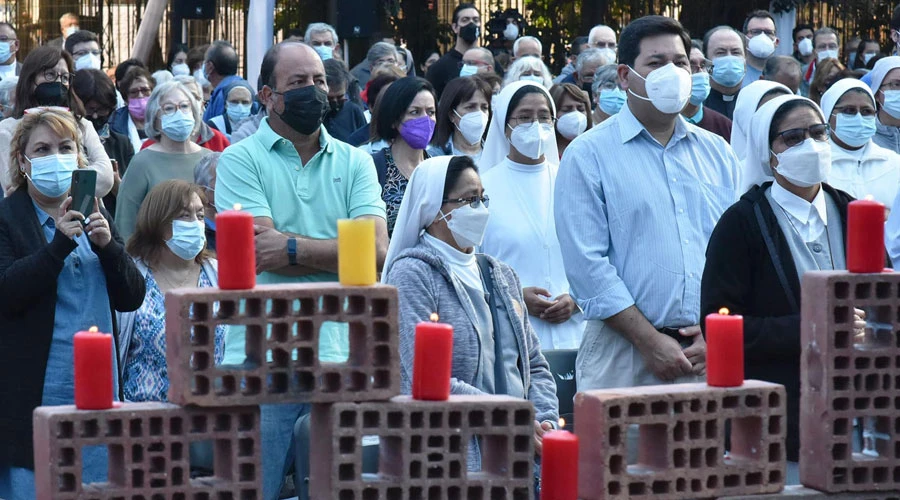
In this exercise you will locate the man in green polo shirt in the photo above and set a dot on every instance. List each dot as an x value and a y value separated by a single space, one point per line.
297 182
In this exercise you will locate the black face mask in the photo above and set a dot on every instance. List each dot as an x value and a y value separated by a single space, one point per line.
304 108
335 107
470 32
587 88
98 122
51 94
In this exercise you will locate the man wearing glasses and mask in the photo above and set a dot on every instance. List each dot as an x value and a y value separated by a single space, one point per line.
467 27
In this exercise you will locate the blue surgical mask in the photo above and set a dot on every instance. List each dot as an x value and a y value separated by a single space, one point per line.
532 78
728 71
868 57
52 174
854 130
325 52
237 111
611 101
468 70
177 126
699 87
5 51
188 238
892 103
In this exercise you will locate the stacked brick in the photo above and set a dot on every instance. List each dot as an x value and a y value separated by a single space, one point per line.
851 383
423 445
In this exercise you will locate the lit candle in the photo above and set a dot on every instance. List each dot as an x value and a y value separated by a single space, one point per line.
724 349
433 360
559 465
235 250
93 370
865 236
356 252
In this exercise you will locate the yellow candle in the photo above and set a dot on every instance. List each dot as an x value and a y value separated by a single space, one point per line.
356 252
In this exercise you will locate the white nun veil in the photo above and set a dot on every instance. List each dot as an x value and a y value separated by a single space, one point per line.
831 97
419 208
756 165
496 146
747 103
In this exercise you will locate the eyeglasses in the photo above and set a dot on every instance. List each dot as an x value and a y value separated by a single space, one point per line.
51 75
545 119
757 32
475 201
81 53
609 85
895 85
4 39
139 92
170 109
605 45
794 136
853 110
698 67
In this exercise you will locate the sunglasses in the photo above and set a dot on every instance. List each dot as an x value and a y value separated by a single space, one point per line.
795 136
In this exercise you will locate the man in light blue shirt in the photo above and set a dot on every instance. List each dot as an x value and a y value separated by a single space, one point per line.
297 182
637 199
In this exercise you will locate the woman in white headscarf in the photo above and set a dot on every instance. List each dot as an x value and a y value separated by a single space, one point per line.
521 231
763 244
858 165
432 262
749 100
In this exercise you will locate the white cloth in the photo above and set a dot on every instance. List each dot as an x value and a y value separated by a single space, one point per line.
757 169
496 146
419 208
374 147
134 136
522 233
746 105
881 69
7 70
462 265
808 219
831 97
869 171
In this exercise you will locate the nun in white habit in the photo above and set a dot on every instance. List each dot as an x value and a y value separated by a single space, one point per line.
432 262
748 101
522 230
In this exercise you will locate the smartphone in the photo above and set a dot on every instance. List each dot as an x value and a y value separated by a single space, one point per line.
84 185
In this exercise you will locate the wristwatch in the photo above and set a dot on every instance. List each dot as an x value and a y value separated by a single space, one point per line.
292 251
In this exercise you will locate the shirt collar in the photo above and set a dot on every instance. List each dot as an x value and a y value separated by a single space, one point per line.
630 127
42 216
799 208
269 138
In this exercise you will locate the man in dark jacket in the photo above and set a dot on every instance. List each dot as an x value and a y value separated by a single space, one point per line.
467 27
344 116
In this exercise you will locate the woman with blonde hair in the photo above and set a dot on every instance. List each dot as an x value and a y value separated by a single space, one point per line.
61 271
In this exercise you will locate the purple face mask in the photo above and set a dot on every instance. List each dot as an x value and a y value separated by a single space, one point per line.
138 107
417 132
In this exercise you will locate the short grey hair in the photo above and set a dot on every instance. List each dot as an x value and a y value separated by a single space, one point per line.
590 56
485 53
187 80
604 74
7 89
314 28
153 108
597 28
203 171
533 39
162 76
521 65
379 50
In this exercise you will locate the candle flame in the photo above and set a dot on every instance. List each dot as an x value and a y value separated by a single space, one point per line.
94 329
724 311
434 317
562 423
237 206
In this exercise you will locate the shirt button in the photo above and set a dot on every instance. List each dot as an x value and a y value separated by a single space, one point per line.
817 248
686 242
674 179
681 210
297 168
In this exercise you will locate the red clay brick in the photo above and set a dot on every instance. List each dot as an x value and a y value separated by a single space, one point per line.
423 449
148 445
282 340
843 379
682 441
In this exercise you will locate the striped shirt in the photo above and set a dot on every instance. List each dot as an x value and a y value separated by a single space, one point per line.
634 217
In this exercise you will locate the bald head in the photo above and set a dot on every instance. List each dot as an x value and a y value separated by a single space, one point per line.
481 57
602 37
292 64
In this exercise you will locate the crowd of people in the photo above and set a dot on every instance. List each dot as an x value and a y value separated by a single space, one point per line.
606 209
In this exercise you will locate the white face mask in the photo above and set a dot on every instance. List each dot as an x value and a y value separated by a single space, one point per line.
571 124
87 61
532 78
472 125
531 139
761 46
805 164
181 69
668 88
467 224
511 32
805 47
825 54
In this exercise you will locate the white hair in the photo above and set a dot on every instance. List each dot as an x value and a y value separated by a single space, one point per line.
153 108
314 28
162 76
533 39
597 29
521 65
590 56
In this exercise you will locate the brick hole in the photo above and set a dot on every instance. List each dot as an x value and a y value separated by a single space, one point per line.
615 436
222 423
246 472
711 407
381 356
660 487
614 488
523 418
841 404
746 434
841 289
226 385
137 453
135 427
679 458
278 382
347 419
329 304
882 403
455 444
636 410
177 475
712 429
355 305
882 362
278 308
435 492
752 401
476 418
65 430
841 383
774 425
521 470
66 457
495 454
90 428
861 403
839 451
521 444
381 379
304 307
415 444
305 331
862 291
774 400
157 465
731 480
176 452
200 360
635 489
882 290
346 472
729 402
370 494
678 407
200 335
137 478
841 427
331 382
839 475
696 404
775 477
678 432
659 408
395 420
346 495
681 485
653 453
245 447
357 381
156 447
435 441
712 482
227 309
380 307
157 482
381 331
394 494
306 357
472 493
303 381
886 382
880 475
696 455
616 464
876 438
842 314
253 308
199 311
862 363
371 419
614 411
897 449
695 429
280 332
454 492
860 475
841 339
156 426
696 485
454 419
896 474
417 419
841 362
774 452
499 417
436 420
712 456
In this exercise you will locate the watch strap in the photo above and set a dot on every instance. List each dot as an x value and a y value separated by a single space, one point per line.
292 251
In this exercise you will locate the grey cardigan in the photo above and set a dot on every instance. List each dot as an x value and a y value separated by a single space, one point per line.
426 286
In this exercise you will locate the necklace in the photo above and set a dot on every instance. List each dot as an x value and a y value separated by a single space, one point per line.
186 280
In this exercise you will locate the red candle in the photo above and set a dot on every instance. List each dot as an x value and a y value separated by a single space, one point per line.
724 349
865 236
236 250
93 370
433 360
559 465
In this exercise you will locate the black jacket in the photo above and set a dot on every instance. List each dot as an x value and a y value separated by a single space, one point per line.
741 274
29 268
118 147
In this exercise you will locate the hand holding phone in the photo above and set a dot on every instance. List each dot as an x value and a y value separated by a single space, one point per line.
84 185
